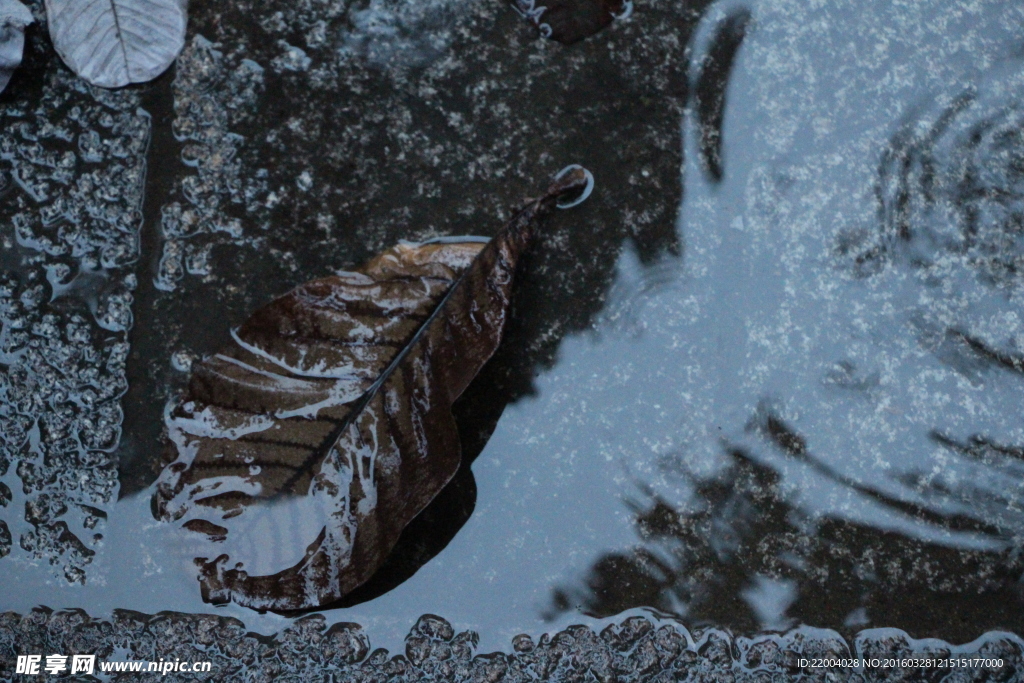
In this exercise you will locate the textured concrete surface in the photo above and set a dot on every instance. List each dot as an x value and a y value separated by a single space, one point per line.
72 174
635 649
790 395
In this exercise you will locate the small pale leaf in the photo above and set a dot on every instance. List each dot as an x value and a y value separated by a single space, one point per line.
14 17
112 43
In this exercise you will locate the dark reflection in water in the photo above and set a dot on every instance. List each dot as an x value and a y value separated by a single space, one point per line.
742 556
916 518
953 182
709 93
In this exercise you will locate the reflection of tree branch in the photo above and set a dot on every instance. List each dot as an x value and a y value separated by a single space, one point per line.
704 559
700 561
897 168
1004 505
711 86
1003 509
795 445
978 447
959 162
1010 361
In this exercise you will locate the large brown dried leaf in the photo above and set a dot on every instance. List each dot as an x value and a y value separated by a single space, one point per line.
327 426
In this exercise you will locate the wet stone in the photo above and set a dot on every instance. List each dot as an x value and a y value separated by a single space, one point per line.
344 644
523 643
670 643
210 99
434 649
625 635
304 632
764 654
433 627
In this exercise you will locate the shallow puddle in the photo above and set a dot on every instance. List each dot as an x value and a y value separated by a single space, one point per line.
766 378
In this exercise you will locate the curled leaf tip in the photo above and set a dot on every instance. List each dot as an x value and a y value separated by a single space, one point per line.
571 186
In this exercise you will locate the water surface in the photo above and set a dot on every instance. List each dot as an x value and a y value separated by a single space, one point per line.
768 375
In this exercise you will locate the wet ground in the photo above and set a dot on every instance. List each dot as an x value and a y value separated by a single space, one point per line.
766 378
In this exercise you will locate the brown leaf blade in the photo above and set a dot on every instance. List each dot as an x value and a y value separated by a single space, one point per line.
305 448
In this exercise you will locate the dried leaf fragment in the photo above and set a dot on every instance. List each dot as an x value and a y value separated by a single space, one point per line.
112 43
305 448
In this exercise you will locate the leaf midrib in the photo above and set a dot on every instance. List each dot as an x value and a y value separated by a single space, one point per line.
120 38
360 404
